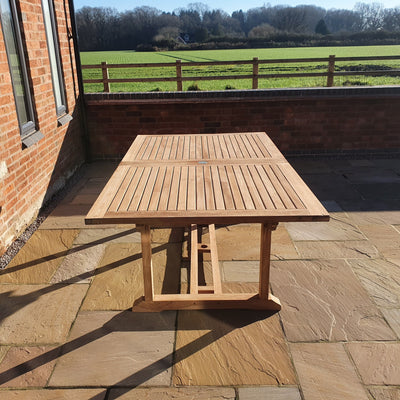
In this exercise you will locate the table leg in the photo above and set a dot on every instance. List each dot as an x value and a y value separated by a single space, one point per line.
146 262
263 300
265 259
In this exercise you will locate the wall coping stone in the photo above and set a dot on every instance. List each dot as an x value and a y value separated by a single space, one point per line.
240 95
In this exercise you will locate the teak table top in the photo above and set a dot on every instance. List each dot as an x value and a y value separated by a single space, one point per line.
177 180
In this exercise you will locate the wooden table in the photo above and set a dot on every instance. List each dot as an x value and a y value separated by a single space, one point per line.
196 180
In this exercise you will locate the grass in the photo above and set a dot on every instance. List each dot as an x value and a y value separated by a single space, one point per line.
125 57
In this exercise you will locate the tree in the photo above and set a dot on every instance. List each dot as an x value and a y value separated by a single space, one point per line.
290 19
342 20
262 31
371 16
98 28
321 28
391 19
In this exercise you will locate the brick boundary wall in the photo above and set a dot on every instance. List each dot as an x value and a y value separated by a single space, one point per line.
299 121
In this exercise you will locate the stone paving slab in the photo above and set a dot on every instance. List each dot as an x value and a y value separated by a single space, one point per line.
117 349
370 212
241 271
57 394
3 352
385 238
305 166
338 228
379 190
334 249
381 279
118 281
325 372
269 393
79 264
371 175
331 186
392 316
187 393
38 314
385 393
27 366
107 236
377 363
40 257
242 242
224 348
323 300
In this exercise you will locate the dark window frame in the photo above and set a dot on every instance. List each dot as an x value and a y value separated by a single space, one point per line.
61 109
29 127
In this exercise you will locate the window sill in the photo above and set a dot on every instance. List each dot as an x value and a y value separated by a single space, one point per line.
64 119
32 139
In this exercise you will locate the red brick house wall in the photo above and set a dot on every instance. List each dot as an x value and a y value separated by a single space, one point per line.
29 176
298 120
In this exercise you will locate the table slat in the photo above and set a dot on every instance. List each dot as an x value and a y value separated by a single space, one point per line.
237 176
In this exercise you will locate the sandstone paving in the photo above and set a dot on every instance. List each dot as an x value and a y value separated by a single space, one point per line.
385 238
337 228
183 393
241 271
337 249
56 394
269 393
79 264
377 363
100 169
392 316
369 175
331 186
378 190
121 349
94 236
322 300
388 163
242 242
326 372
379 211
39 258
304 166
385 393
118 281
231 347
67 216
3 352
38 314
27 366
381 279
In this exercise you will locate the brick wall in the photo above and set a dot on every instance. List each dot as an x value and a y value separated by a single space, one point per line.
29 176
298 120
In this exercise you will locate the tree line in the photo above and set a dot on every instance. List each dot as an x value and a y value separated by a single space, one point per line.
197 26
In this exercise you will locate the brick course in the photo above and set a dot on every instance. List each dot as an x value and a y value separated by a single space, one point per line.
34 172
312 120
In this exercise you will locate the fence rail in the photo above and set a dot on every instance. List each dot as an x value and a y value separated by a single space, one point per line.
255 76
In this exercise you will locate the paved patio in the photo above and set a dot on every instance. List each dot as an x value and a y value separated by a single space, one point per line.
67 332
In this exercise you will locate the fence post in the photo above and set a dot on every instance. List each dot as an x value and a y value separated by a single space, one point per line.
331 70
104 70
255 73
179 75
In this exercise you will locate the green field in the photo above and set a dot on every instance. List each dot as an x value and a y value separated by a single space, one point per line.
125 57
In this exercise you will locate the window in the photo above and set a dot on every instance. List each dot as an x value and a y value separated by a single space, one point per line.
18 70
54 55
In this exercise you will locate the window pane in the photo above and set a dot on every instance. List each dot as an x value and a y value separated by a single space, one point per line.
14 60
52 45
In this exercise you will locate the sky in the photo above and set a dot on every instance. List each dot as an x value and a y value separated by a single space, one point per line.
227 5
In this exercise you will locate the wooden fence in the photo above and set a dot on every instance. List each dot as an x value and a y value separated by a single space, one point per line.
330 73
